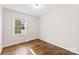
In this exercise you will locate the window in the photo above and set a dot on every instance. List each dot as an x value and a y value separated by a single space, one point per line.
19 26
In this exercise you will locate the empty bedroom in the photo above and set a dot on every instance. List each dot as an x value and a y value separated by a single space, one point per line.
39 29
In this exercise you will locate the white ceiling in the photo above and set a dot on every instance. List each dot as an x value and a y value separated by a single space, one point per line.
31 10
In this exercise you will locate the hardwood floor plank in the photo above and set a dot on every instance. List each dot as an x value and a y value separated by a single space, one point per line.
38 47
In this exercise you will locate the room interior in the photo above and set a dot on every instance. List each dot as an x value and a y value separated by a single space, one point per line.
46 29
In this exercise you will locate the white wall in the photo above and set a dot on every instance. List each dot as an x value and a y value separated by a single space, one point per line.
8 37
0 28
61 27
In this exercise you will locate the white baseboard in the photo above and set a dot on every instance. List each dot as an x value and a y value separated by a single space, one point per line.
70 49
18 42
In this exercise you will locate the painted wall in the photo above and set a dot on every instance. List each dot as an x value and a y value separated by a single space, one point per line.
61 27
1 28
8 37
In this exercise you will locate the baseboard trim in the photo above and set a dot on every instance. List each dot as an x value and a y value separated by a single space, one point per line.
18 43
62 47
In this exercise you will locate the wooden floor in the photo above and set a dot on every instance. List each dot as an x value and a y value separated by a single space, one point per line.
35 47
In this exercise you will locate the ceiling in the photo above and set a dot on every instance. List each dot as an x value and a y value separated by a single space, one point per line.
31 10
